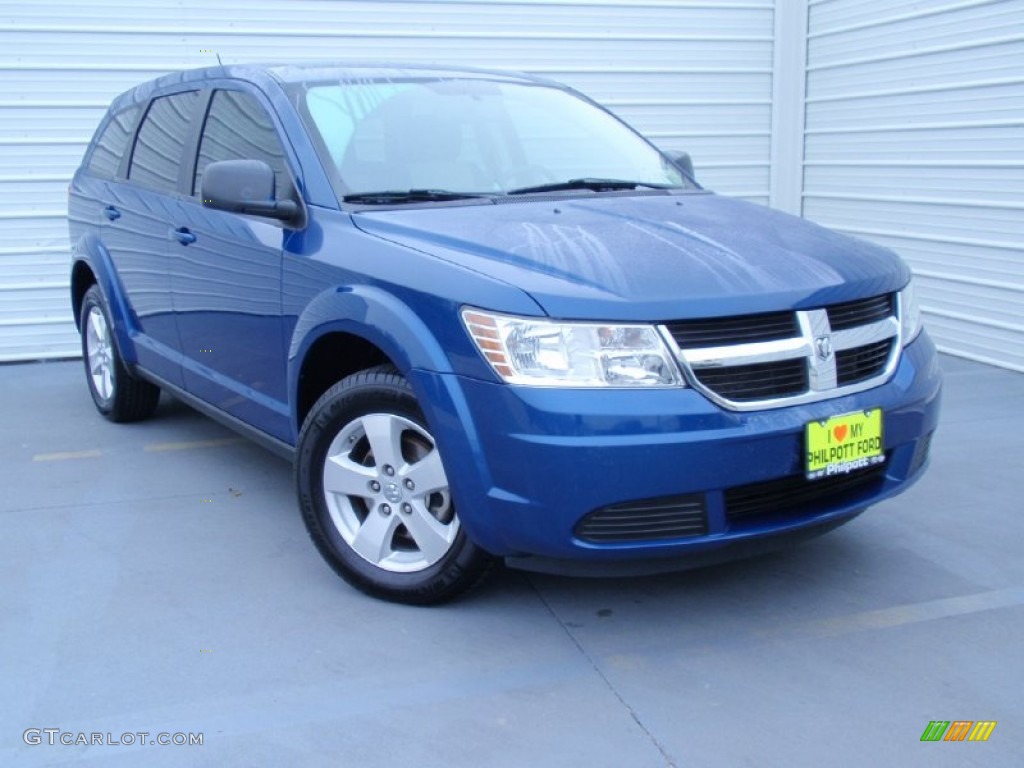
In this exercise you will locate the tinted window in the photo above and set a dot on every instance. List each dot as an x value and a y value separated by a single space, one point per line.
111 144
163 133
238 128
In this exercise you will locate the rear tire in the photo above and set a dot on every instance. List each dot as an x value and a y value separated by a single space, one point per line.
117 394
375 496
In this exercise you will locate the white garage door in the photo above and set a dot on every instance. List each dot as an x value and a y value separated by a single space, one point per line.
693 75
915 139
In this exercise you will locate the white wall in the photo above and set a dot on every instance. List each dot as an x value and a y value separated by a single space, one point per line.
915 139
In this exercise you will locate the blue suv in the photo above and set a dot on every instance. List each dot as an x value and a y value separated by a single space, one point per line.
488 320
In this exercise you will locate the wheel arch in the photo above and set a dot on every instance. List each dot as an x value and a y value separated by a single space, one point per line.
345 330
82 279
92 265
333 356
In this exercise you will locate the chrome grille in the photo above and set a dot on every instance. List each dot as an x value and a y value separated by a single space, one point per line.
771 360
860 363
733 330
756 382
850 314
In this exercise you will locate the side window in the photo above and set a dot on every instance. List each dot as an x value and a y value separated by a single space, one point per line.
161 137
238 128
109 147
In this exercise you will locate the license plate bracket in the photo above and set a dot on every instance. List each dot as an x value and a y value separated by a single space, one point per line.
843 444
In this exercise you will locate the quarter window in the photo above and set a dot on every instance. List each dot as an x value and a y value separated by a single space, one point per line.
239 128
111 144
158 148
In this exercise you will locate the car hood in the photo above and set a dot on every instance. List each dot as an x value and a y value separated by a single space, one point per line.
656 257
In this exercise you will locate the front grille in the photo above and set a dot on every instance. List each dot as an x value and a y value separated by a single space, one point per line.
722 331
761 381
851 314
671 517
778 358
796 495
860 363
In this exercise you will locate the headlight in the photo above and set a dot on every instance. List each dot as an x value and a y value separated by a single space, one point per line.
536 352
910 314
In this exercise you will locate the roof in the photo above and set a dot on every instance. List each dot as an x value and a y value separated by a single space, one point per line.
318 70
294 72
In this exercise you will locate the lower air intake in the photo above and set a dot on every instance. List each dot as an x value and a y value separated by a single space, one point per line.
672 517
796 495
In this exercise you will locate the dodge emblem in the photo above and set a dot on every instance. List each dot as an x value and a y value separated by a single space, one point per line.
823 344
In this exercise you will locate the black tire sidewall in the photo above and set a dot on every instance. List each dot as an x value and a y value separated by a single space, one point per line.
374 391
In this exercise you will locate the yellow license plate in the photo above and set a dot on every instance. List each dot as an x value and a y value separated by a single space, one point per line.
844 443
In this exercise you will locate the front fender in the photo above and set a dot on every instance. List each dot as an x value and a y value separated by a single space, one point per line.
370 313
89 250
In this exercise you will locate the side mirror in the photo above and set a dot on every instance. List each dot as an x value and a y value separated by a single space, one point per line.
682 161
244 186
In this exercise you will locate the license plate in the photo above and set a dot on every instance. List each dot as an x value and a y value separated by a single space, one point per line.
844 443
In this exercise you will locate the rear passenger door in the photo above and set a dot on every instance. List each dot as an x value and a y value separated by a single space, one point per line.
226 280
137 235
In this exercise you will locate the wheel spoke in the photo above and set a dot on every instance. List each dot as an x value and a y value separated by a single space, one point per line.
414 495
373 539
431 536
98 326
344 476
385 435
427 474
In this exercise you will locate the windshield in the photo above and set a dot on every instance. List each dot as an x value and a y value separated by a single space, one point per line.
476 137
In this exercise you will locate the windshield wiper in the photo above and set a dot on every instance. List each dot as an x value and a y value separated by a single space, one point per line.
595 185
386 197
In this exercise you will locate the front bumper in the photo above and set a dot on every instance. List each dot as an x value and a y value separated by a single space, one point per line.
526 465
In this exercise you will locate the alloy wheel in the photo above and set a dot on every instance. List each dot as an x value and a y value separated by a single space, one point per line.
387 493
100 353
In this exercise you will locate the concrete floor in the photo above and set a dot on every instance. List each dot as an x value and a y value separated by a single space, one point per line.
157 578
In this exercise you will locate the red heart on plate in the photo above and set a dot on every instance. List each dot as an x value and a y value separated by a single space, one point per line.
840 432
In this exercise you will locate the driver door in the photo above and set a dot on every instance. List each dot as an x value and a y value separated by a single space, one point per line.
226 275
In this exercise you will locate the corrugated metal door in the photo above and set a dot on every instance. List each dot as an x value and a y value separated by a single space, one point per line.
915 139
692 75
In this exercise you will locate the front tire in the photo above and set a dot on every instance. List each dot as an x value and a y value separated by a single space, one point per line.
117 394
375 497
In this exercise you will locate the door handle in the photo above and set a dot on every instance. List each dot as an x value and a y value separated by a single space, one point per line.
183 236
112 213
